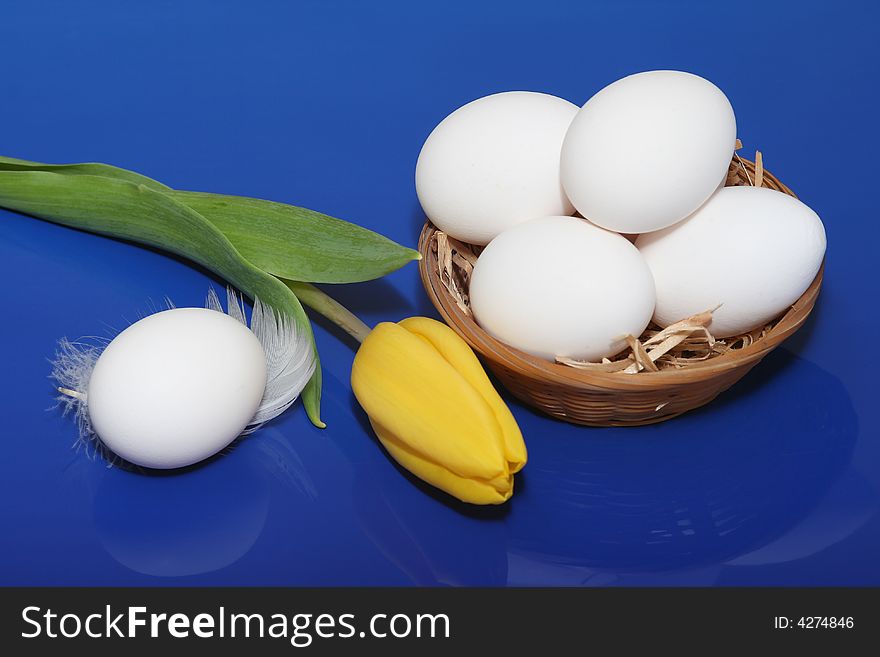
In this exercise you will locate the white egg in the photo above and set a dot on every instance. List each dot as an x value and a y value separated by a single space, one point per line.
648 150
560 286
494 163
752 250
176 387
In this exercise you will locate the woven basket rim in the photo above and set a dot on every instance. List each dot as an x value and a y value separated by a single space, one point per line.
535 368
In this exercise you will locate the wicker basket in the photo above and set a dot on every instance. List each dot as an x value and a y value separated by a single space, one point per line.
599 398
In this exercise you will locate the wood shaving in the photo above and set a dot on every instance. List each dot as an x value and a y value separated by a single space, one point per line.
456 262
735 178
759 169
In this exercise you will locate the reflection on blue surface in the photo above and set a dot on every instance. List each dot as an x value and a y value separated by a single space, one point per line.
179 524
776 482
455 545
595 506
689 494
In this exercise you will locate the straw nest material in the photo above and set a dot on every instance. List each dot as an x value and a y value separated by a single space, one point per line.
662 373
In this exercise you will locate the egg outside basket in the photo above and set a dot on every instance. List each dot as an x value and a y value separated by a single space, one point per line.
600 398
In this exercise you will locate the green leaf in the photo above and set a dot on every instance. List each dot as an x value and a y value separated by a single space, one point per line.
285 240
119 208
299 244
311 395
82 169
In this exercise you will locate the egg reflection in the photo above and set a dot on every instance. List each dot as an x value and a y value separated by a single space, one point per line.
198 520
679 496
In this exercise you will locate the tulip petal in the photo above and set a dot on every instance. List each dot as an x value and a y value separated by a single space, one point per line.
473 491
458 354
406 386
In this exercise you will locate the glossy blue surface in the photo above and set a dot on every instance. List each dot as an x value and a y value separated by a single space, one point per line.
326 104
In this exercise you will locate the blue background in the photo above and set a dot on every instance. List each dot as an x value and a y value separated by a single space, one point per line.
326 104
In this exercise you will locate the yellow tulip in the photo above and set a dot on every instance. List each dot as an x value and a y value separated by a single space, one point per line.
435 410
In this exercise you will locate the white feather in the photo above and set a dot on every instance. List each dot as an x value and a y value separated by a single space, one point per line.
290 360
290 363
71 369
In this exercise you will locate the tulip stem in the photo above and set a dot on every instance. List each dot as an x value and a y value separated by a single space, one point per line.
325 305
